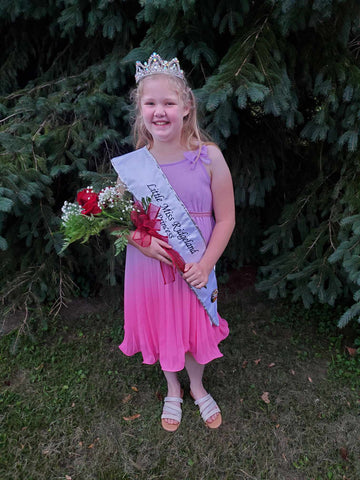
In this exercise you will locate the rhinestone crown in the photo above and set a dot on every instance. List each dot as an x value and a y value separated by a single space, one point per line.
155 65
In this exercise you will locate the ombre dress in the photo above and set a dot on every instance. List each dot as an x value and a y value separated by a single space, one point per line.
165 321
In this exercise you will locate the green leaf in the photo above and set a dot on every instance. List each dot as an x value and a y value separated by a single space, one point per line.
6 204
59 169
3 243
351 313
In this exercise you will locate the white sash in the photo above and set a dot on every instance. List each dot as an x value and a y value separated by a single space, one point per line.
142 175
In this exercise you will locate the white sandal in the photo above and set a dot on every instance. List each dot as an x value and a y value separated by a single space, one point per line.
208 407
171 412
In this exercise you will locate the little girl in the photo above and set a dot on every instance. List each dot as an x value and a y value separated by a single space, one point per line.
167 321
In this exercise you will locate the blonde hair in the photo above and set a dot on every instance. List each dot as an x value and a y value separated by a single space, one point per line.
192 137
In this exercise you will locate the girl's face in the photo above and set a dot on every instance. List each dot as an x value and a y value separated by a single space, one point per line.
162 109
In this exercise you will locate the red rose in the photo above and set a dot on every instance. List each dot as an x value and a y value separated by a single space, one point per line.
88 200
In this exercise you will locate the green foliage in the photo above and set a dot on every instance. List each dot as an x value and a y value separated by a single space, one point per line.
305 249
82 227
346 369
54 129
278 85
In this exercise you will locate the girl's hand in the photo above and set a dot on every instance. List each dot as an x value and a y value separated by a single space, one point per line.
157 249
196 275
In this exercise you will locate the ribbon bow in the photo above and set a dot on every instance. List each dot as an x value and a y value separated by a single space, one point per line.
194 156
148 225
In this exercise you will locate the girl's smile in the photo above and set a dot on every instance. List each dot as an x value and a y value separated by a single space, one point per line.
162 109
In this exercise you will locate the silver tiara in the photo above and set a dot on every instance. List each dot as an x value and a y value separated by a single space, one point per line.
155 65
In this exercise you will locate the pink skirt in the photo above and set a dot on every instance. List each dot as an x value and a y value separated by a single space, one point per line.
165 321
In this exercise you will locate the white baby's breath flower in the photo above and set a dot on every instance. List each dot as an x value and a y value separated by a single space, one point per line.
69 210
108 197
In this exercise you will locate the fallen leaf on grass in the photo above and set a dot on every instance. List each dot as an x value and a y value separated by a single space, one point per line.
257 361
67 477
133 417
344 453
265 397
351 351
135 389
271 365
93 444
292 372
310 379
127 398
244 365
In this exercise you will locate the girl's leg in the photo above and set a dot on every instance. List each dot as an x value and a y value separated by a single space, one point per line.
174 390
195 371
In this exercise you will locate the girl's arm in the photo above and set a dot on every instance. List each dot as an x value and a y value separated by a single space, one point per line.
224 211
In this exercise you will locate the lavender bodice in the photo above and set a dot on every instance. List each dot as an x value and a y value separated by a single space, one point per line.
191 180
192 183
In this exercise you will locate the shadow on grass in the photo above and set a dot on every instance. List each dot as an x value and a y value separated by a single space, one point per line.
73 407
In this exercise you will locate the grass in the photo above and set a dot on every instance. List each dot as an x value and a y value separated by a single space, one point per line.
73 407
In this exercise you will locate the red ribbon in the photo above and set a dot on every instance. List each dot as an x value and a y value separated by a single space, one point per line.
148 225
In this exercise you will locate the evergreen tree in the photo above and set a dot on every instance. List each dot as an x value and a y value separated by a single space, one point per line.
278 85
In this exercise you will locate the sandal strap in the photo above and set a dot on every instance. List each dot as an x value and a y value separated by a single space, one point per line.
208 406
172 412
173 399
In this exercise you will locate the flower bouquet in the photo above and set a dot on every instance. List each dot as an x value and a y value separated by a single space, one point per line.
95 212
117 213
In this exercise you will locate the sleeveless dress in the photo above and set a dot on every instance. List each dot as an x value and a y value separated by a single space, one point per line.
165 321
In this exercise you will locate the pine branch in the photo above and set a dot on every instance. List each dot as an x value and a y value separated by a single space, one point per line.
251 49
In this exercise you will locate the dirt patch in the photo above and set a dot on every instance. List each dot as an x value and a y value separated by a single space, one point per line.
71 310
82 307
11 322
